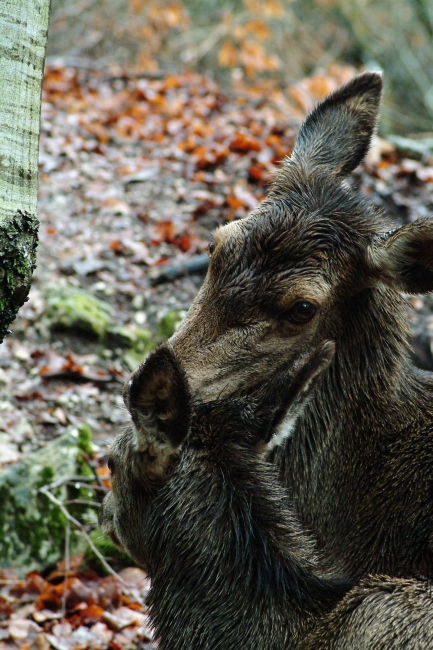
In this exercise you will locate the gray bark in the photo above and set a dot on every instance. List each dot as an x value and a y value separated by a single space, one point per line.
23 37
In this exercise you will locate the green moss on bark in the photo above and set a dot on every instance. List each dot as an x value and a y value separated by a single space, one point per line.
19 240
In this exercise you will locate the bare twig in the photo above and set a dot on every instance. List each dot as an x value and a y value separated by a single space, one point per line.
101 488
70 480
83 502
46 491
65 583
75 482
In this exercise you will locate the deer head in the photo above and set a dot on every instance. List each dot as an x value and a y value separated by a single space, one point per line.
164 416
315 261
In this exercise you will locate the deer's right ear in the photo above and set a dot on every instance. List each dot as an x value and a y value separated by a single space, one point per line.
336 135
403 259
157 397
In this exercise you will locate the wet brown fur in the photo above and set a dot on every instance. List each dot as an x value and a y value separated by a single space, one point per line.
359 458
230 565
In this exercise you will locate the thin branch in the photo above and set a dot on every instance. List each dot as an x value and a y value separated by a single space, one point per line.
83 502
46 491
65 582
72 480
75 484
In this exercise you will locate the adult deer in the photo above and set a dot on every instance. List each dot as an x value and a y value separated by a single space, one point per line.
317 261
195 502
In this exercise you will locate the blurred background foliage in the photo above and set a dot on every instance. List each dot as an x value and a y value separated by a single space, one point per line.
248 41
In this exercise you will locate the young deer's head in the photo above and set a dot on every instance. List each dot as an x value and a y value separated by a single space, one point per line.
165 419
315 261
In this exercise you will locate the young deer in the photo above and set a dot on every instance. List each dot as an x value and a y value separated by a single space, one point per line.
317 261
195 502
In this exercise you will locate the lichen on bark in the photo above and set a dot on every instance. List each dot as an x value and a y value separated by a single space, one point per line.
19 240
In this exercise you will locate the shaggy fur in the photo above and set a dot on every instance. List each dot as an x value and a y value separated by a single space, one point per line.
359 458
231 567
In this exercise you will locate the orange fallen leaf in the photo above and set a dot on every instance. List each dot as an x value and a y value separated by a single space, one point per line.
242 143
233 202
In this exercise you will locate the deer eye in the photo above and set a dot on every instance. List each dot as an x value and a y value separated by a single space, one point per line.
301 312
110 465
211 247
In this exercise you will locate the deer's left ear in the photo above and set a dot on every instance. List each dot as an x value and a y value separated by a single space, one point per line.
403 259
157 397
336 135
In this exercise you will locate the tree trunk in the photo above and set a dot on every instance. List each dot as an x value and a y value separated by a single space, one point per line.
23 37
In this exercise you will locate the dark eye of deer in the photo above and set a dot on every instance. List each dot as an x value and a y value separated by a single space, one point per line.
301 312
110 465
211 247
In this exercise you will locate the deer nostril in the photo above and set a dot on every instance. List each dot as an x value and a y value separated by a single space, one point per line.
110 465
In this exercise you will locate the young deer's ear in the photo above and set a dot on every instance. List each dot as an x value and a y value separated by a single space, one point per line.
157 397
282 400
336 135
403 259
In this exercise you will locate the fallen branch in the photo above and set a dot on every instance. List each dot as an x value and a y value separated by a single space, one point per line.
76 375
130 76
197 264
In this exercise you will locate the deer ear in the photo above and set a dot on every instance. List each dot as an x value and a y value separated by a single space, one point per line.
157 397
403 259
336 135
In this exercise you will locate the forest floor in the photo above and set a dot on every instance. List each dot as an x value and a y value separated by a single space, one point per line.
135 173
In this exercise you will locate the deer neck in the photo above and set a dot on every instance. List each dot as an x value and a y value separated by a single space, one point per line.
238 572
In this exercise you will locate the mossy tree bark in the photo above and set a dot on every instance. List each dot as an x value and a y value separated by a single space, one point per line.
23 37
